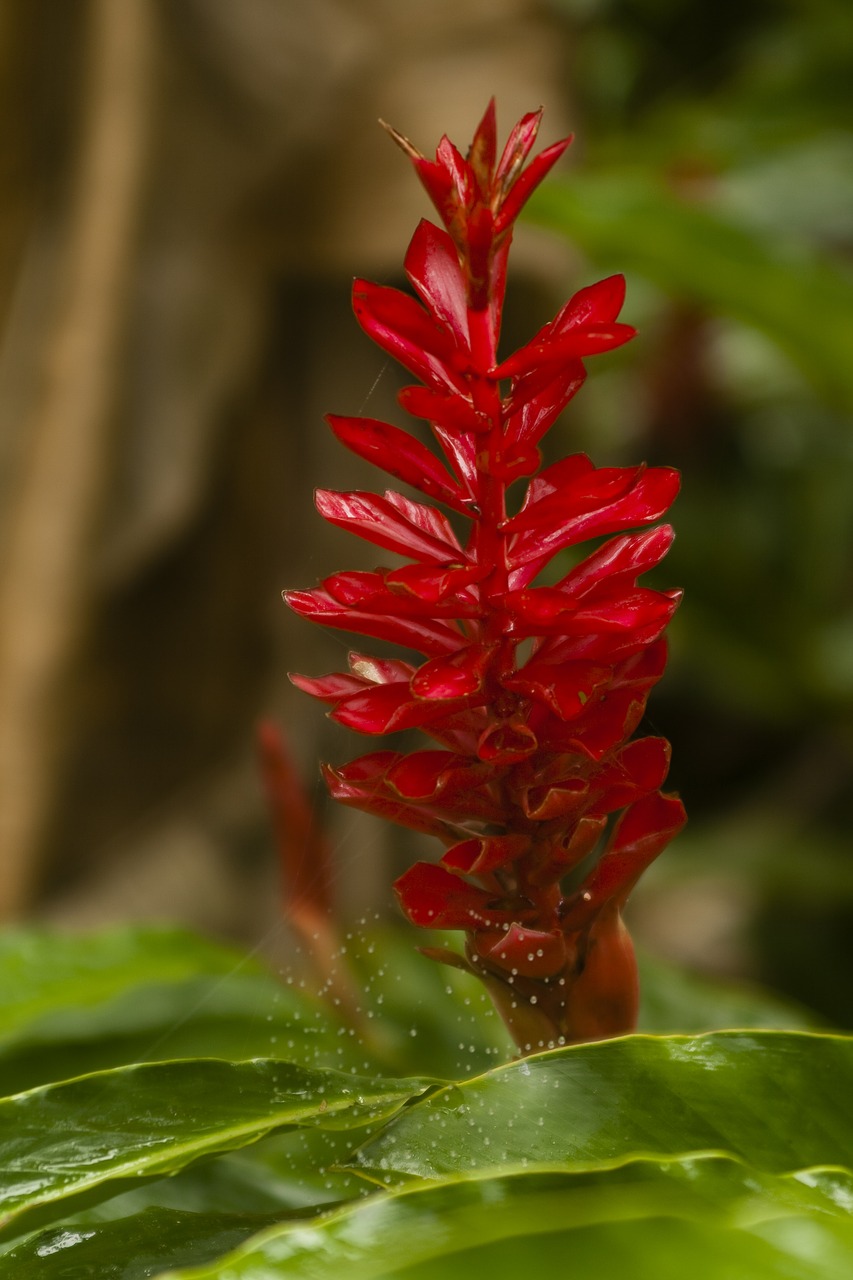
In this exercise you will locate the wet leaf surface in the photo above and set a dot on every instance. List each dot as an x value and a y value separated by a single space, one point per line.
644 1220
144 1121
778 1100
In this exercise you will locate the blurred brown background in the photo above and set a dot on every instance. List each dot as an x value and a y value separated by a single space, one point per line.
190 186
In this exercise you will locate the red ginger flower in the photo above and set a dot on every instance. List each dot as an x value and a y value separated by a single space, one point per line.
530 692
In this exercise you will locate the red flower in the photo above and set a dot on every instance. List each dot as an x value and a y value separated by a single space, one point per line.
529 692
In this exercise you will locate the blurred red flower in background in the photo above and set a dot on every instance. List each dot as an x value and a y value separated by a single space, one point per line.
529 692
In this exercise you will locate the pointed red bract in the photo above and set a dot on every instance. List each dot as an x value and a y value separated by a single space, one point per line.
549 352
433 269
530 692
411 334
400 455
392 522
437 899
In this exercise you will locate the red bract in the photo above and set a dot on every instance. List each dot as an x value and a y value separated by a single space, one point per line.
530 692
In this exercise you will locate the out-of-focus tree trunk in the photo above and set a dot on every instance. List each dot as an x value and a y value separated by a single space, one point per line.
63 468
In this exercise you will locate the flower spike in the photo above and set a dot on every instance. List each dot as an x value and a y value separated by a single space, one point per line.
547 805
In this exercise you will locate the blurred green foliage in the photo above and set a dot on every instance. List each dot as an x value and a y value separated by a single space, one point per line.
715 169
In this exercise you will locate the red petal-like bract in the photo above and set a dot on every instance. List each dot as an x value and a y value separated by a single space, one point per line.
548 807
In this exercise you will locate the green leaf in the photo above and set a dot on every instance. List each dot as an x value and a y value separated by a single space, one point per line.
778 1100
644 1220
51 977
89 1134
234 1017
803 304
70 1005
130 1248
286 1175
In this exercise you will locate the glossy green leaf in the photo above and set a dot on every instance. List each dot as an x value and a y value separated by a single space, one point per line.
286 1175
286 1170
89 1134
778 1100
135 1247
695 252
641 1220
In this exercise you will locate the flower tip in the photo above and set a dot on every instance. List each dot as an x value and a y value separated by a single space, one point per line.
303 683
561 145
401 140
487 128
332 777
483 150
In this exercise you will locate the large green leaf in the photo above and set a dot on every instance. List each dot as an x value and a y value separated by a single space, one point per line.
91 1138
637 223
199 1209
778 1100
89 1134
130 1248
643 1220
70 1005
